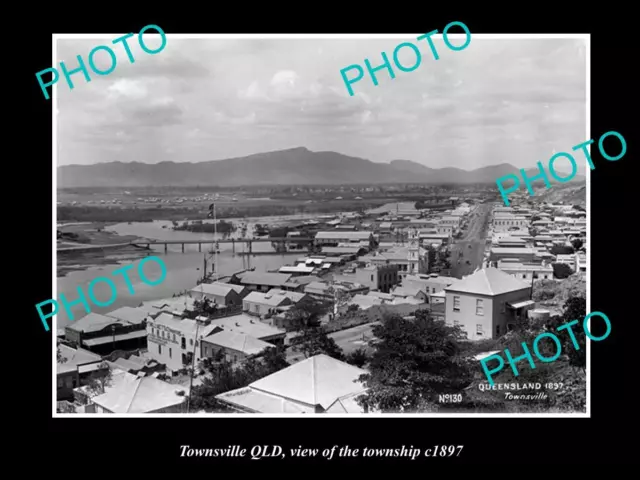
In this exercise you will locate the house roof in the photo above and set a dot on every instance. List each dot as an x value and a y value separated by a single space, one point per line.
488 281
342 235
217 289
264 278
239 289
240 342
140 395
131 315
295 297
319 380
93 322
262 402
247 324
75 357
168 304
183 325
270 299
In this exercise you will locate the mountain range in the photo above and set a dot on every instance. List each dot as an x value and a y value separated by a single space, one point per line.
296 166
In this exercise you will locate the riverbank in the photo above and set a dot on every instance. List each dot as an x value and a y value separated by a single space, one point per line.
116 214
92 234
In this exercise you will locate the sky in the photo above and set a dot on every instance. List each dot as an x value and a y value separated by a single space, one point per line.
498 101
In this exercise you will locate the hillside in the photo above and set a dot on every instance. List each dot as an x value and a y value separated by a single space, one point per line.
297 166
570 194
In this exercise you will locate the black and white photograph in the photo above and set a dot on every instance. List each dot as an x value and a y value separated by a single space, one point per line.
238 234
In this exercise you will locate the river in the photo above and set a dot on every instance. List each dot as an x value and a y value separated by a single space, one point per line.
183 269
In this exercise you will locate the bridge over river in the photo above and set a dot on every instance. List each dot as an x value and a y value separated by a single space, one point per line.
146 244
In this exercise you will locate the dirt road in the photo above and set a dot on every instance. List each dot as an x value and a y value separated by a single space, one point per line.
471 246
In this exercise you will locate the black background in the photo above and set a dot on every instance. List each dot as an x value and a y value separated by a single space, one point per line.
102 444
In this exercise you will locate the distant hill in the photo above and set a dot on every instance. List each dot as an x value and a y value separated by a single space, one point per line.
297 166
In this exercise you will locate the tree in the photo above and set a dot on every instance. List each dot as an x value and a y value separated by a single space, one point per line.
305 314
561 250
357 358
413 362
561 270
313 341
431 256
99 380
223 376
575 308
59 357
353 308
577 243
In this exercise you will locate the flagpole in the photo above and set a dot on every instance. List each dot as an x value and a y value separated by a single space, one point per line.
215 234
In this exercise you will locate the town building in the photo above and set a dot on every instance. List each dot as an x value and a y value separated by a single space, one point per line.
525 255
503 222
334 238
487 303
252 326
74 367
261 281
526 271
173 340
223 294
263 304
103 334
382 277
235 346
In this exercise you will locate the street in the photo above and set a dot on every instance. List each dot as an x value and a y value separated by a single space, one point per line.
475 237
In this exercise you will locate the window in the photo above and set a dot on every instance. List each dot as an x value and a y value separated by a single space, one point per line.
504 307
184 343
174 337
160 349
169 353
497 330
479 307
372 278
479 329
456 303
433 289
60 382
191 341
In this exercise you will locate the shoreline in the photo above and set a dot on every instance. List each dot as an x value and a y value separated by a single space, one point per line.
92 234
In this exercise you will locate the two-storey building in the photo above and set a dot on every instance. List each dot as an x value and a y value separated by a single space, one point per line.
487 303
